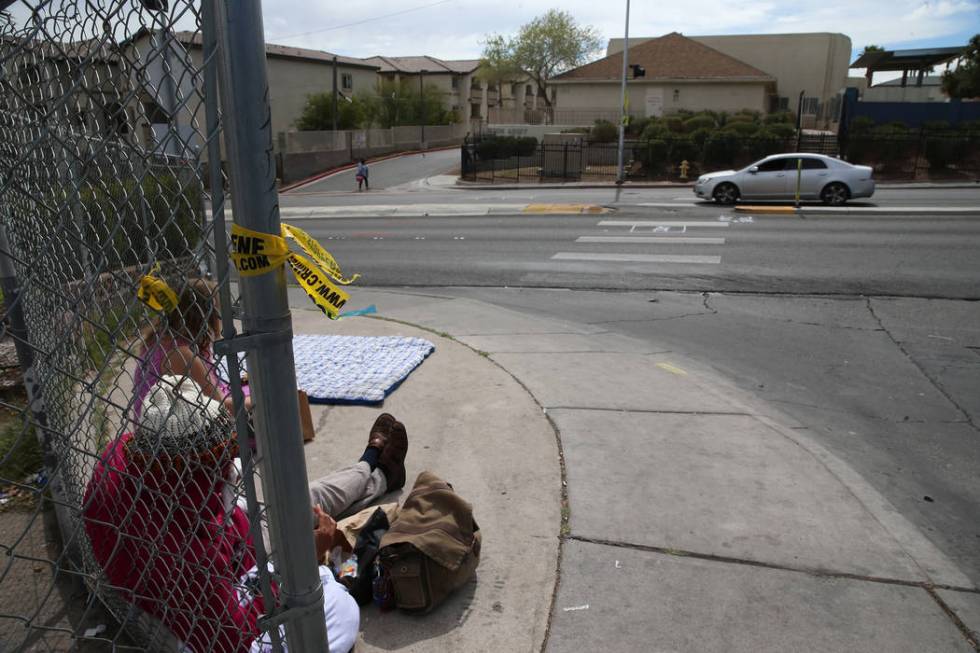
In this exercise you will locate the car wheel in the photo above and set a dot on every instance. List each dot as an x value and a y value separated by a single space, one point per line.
834 194
726 193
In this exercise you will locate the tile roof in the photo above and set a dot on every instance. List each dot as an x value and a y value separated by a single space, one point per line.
273 50
414 65
672 56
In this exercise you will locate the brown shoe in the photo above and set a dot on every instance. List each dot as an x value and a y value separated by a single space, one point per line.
392 460
381 431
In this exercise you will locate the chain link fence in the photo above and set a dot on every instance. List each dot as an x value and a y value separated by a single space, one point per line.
130 511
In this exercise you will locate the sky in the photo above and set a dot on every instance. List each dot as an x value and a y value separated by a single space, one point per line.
454 29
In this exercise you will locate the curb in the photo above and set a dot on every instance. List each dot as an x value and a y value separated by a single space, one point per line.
350 166
863 210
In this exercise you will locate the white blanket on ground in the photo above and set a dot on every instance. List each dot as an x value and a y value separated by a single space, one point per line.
357 369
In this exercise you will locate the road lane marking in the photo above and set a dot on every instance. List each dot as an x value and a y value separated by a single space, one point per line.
663 223
673 369
658 240
636 258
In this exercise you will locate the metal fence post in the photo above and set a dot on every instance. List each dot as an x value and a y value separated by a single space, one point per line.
272 370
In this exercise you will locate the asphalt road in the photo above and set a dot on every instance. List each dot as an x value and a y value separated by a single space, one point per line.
388 173
863 329
660 249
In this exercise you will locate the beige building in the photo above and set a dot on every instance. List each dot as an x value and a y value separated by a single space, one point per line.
464 91
815 64
680 74
170 111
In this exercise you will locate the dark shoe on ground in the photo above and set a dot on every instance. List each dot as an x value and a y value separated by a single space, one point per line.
380 433
392 461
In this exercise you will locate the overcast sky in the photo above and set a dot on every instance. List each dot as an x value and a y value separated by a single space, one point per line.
454 29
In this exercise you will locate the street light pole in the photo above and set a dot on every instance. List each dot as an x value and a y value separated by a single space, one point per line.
335 93
421 111
622 98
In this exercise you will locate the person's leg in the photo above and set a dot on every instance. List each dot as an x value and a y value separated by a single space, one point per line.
348 490
354 488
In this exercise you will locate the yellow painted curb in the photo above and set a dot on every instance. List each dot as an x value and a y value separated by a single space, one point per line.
766 209
565 208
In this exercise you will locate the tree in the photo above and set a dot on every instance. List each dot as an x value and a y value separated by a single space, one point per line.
497 62
352 113
964 81
871 48
400 104
547 46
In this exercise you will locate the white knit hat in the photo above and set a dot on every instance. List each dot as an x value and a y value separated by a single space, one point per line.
178 418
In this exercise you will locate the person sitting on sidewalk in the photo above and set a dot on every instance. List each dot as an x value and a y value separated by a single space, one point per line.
180 344
164 525
362 175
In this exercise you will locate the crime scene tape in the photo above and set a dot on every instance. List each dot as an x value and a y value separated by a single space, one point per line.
254 253
155 293
317 253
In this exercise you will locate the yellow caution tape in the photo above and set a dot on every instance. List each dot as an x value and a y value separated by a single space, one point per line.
155 293
317 253
328 297
255 253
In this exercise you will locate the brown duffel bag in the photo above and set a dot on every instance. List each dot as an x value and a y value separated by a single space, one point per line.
432 547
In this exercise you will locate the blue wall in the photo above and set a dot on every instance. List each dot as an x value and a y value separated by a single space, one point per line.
913 114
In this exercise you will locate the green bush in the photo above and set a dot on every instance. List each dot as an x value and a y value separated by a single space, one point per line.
780 118
940 151
748 115
782 129
654 155
861 124
722 149
604 131
741 127
129 221
684 149
675 123
699 122
654 130
504 147
699 136
765 142
636 126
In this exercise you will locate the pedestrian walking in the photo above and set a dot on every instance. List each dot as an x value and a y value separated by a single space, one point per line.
362 175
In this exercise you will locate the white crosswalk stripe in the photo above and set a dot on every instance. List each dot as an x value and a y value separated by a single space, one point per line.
649 233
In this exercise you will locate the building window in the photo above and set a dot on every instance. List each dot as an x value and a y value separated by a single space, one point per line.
346 81
677 95
455 82
811 106
474 111
528 90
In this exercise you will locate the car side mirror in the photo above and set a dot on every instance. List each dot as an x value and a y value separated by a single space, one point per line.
754 169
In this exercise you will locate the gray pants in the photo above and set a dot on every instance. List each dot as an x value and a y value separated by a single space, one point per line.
348 490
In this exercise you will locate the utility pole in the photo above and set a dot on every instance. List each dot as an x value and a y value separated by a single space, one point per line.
335 93
421 111
622 99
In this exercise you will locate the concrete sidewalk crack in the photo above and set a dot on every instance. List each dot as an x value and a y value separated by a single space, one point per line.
810 571
935 383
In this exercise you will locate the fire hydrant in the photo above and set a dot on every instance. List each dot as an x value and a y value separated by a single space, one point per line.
685 166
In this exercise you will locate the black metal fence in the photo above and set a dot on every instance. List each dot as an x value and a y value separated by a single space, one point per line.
946 155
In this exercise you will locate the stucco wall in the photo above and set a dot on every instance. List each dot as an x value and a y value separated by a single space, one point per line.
291 80
604 97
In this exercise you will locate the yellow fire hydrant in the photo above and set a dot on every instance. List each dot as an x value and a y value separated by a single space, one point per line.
685 166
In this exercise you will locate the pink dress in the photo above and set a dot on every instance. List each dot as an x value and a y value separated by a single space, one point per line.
168 544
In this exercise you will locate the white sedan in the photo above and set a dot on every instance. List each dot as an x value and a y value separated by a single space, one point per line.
775 178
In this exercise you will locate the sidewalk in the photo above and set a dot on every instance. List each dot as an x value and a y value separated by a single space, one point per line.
698 520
